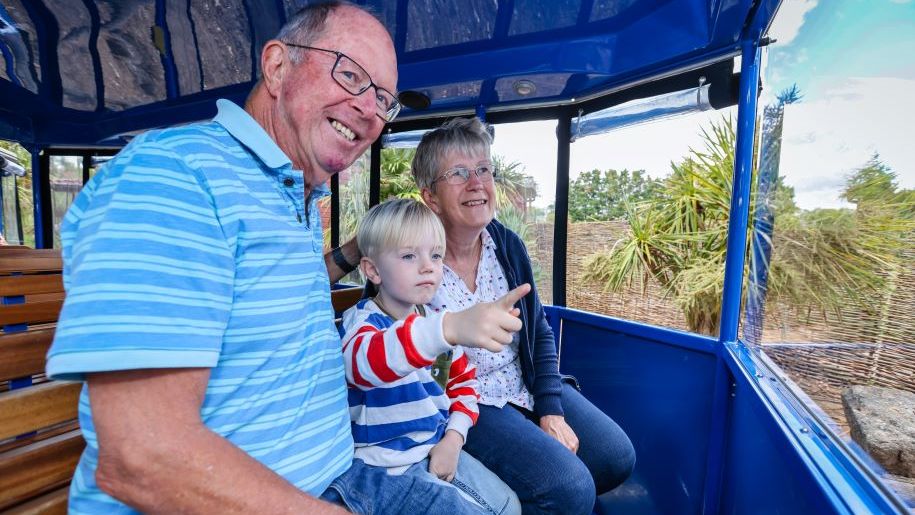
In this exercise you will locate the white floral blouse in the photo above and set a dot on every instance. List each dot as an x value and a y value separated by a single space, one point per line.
499 374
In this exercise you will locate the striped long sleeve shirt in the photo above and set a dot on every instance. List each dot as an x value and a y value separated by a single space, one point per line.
398 411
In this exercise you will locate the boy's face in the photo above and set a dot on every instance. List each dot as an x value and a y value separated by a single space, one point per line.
407 275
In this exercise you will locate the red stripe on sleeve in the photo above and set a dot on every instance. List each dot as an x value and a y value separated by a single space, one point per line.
457 406
356 342
464 390
378 360
404 334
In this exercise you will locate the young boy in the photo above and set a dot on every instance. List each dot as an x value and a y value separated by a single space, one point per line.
403 420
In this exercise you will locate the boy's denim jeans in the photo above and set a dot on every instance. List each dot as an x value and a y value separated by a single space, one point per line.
476 484
372 491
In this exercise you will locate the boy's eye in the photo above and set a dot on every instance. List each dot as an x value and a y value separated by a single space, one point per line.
436 256
408 257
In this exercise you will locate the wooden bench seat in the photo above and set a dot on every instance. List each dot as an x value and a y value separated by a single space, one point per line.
40 440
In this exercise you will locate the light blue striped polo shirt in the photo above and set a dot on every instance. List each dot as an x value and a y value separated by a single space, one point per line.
194 247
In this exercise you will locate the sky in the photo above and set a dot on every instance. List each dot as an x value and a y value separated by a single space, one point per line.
854 63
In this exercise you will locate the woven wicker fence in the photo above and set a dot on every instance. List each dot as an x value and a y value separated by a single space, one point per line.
821 352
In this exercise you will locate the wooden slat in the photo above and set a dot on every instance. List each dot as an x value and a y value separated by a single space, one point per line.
38 468
30 313
23 354
44 297
22 441
53 503
29 260
29 409
345 299
31 284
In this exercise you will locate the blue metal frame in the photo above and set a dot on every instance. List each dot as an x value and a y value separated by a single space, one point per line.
740 197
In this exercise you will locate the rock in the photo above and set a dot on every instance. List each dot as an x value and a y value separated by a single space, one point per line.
882 421
903 486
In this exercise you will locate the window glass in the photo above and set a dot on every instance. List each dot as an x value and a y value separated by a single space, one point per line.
66 181
648 214
832 264
18 226
525 155
354 201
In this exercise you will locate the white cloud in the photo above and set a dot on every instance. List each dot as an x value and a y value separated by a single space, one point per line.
827 138
824 140
649 146
789 19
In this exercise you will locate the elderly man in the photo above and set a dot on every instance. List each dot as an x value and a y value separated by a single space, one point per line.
198 309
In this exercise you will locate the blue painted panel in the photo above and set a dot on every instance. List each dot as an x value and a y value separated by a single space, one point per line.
661 394
761 472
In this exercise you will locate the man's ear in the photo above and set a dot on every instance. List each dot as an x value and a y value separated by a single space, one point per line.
431 200
369 270
274 65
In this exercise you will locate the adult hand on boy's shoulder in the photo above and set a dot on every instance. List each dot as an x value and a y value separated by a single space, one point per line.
443 457
488 325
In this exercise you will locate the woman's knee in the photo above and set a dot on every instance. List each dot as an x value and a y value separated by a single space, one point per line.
617 469
570 491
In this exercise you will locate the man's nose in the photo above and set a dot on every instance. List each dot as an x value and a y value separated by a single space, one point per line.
365 102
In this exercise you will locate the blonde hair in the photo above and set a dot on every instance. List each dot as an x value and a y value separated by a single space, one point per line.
466 136
394 223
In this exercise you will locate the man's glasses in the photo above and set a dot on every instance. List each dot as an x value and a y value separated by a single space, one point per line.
460 175
356 81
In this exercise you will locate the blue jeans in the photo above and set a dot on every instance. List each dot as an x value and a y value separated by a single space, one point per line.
372 491
545 475
476 484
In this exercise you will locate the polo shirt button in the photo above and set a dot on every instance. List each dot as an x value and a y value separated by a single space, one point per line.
289 182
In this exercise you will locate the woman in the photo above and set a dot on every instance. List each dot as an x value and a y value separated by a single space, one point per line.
539 434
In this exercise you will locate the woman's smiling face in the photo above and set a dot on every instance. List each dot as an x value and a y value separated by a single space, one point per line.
466 206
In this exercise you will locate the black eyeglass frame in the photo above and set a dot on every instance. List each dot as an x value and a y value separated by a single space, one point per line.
389 114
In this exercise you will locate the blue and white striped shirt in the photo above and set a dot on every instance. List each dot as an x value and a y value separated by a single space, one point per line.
193 247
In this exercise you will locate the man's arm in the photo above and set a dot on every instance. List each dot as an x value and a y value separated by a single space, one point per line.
350 253
156 455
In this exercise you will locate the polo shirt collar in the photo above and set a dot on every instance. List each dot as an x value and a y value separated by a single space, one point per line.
249 133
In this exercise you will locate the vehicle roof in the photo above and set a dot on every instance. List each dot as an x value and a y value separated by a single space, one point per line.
82 73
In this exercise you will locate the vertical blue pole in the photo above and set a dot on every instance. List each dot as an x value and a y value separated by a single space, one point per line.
38 206
740 196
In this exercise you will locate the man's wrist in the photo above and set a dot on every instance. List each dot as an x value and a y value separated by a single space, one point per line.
341 262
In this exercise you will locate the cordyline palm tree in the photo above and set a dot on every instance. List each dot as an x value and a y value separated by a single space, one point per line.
823 258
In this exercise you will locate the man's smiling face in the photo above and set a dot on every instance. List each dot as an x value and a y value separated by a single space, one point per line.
326 128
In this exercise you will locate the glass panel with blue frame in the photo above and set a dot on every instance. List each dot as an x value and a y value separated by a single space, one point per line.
18 225
831 274
66 181
649 195
354 202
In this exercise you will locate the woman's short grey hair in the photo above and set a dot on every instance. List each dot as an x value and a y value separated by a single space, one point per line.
465 136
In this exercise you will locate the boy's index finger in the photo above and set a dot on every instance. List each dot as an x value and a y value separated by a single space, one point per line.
510 298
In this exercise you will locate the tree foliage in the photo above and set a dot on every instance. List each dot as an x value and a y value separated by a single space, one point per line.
824 257
23 188
604 195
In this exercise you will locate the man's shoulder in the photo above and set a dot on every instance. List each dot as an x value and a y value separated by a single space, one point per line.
208 133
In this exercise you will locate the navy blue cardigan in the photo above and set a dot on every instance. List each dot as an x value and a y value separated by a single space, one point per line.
539 361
